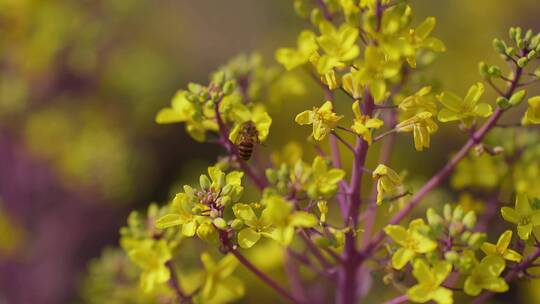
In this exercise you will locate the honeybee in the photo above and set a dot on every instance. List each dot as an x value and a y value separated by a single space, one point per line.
247 138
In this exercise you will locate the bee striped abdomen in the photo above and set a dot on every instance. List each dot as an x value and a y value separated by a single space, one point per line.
245 150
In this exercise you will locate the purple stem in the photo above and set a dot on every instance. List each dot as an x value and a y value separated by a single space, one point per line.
283 292
347 277
175 285
295 280
229 247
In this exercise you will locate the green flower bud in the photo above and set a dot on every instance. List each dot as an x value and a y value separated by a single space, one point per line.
470 219
483 69
204 182
221 181
447 212
494 71
228 87
517 98
451 256
465 236
537 72
316 17
301 8
522 62
220 223
528 35
224 200
512 33
213 213
499 46
535 41
226 189
218 78
503 102
207 232
458 214
476 239
520 43
532 54
510 51
433 218
237 224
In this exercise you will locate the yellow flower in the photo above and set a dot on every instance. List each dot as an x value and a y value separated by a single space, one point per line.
388 181
532 115
363 124
523 215
182 110
418 39
421 101
422 126
151 257
485 275
501 248
464 109
323 120
292 58
338 44
412 242
373 71
429 284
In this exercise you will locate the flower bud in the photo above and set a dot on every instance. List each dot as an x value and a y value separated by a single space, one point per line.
465 236
301 9
220 223
207 232
225 200
237 224
522 62
433 218
503 102
494 71
517 98
470 219
447 212
316 17
451 256
528 35
483 69
204 182
227 189
499 46
458 213
532 54
228 87
476 239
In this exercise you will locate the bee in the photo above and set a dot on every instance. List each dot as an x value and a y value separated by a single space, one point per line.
247 138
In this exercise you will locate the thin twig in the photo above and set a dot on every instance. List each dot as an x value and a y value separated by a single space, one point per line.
175 284
343 141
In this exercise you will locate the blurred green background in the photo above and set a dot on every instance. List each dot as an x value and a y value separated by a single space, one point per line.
82 80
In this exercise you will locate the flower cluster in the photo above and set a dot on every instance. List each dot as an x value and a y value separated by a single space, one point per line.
360 54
